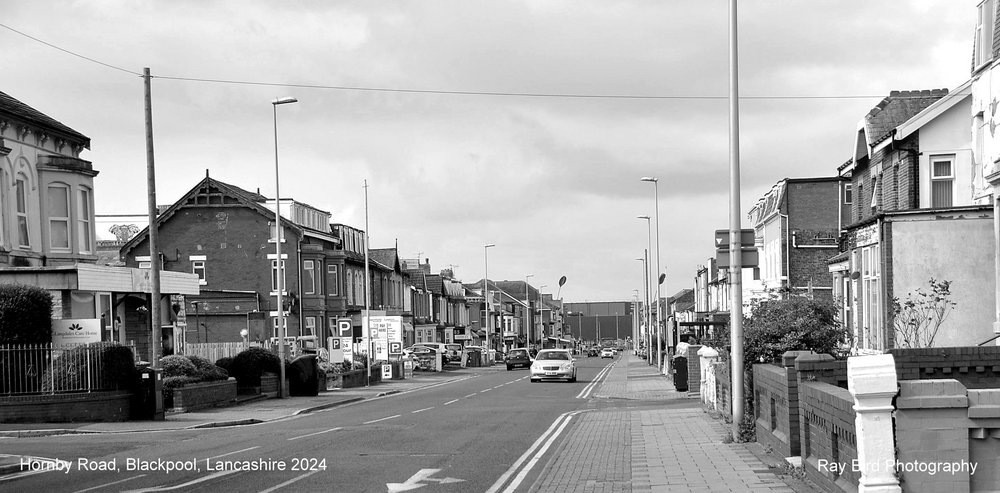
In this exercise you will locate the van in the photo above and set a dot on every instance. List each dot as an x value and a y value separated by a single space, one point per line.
450 352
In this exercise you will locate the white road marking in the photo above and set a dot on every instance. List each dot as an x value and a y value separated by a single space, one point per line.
415 481
381 419
585 393
451 402
290 481
184 485
470 395
314 434
110 484
538 443
233 453
534 460
421 410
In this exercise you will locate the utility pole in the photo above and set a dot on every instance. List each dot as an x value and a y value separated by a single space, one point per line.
735 225
154 249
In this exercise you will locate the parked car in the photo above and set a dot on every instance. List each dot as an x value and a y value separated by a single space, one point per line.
553 364
607 353
423 357
518 358
451 352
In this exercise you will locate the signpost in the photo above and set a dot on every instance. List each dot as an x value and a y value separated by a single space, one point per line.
748 251
336 347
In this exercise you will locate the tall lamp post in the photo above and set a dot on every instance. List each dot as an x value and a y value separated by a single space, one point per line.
645 290
656 214
653 321
488 323
527 313
280 274
541 326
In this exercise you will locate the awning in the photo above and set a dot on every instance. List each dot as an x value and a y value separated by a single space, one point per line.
101 278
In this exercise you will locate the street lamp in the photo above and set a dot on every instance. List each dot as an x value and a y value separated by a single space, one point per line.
527 310
656 214
541 326
488 324
645 289
280 284
649 242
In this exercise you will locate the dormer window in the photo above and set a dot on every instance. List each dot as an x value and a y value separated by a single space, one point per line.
983 52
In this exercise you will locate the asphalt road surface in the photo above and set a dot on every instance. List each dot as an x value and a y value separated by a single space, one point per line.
491 432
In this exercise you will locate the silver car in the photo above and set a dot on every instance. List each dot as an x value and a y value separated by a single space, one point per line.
553 364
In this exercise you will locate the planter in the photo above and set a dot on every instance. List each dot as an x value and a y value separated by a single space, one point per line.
194 396
353 378
269 385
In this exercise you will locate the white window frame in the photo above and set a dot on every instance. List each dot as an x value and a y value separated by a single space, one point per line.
274 325
333 284
950 177
848 193
983 52
310 326
274 276
21 200
62 191
872 297
308 277
199 263
84 213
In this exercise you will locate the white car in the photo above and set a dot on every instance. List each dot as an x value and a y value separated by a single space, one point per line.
553 364
607 353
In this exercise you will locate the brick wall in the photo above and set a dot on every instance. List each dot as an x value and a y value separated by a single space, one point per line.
723 388
822 368
192 397
813 209
776 408
828 436
66 408
974 367
931 427
694 370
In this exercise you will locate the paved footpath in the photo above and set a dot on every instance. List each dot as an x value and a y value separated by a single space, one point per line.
646 448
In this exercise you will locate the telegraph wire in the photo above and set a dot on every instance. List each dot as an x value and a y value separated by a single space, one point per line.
443 91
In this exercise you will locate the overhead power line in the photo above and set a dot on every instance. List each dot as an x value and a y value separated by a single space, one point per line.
404 90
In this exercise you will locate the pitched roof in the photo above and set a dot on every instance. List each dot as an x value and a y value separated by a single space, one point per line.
386 257
20 110
895 109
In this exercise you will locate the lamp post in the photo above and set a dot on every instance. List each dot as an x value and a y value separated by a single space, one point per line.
527 313
280 274
541 326
645 287
653 322
656 215
488 323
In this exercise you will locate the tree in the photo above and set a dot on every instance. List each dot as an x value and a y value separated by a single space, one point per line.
25 314
918 318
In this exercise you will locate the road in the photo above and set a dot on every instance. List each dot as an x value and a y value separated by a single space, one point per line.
493 431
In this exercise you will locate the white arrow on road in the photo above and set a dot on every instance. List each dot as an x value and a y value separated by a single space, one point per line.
415 481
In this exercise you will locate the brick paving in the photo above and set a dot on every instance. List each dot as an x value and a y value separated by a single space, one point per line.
649 449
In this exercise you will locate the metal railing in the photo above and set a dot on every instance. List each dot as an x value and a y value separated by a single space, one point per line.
57 368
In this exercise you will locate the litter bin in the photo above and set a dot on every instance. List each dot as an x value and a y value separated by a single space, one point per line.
147 401
303 378
680 373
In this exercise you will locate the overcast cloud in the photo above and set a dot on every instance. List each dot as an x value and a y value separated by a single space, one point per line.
553 182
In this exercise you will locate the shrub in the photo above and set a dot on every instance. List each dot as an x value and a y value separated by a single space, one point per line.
225 363
178 366
25 314
251 363
171 383
206 371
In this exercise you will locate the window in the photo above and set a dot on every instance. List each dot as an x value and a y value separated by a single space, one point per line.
58 201
83 221
847 194
874 192
984 33
332 280
21 209
871 296
198 267
274 275
350 287
310 326
309 277
274 326
942 181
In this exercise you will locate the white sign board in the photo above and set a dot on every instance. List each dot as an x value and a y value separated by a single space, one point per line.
385 329
346 346
334 345
76 331
386 372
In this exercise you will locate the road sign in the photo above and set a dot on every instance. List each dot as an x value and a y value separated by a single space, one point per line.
748 258
722 238
395 348
336 343
344 327
336 350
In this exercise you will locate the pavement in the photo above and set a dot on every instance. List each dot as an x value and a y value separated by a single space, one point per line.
619 449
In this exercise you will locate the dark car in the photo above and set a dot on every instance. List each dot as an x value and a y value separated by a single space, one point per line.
518 358
593 352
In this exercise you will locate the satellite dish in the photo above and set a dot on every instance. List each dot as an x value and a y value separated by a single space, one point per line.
562 280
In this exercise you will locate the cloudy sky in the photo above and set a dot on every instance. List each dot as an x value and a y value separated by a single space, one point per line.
551 179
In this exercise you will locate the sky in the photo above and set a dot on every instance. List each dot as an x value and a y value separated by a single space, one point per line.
524 124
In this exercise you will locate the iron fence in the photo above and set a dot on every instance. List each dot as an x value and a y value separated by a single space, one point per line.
58 368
